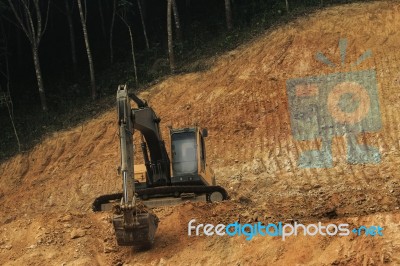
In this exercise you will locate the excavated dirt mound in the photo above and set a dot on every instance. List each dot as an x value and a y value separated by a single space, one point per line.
269 107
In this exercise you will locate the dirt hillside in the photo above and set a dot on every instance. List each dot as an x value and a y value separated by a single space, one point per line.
264 135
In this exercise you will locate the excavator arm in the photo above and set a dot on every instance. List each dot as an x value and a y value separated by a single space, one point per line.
125 124
134 224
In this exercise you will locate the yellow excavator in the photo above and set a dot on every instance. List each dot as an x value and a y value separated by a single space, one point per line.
160 181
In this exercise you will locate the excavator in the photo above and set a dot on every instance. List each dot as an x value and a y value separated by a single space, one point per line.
160 181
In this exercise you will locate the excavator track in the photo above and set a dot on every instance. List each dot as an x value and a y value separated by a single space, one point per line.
161 192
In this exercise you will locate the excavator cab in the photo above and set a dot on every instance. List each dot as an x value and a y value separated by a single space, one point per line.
188 154
184 153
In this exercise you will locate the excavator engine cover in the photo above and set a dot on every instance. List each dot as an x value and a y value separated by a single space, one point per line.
140 235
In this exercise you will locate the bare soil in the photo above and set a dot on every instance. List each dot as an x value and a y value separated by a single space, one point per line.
46 194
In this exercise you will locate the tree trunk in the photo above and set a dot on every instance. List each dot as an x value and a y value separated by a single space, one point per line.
112 30
228 13
143 6
143 24
39 79
6 74
25 17
71 37
102 21
124 19
133 55
177 21
88 51
170 40
287 6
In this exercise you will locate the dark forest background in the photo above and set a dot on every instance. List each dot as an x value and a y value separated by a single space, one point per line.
198 29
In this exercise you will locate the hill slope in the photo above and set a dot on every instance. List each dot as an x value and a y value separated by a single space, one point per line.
255 146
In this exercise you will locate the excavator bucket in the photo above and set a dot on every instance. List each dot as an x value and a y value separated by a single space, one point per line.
140 234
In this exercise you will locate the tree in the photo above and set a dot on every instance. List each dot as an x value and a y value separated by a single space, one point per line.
88 51
29 19
143 24
287 6
6 97
102 20
69 9
228 14
170 37
177 21
123 13
114 10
